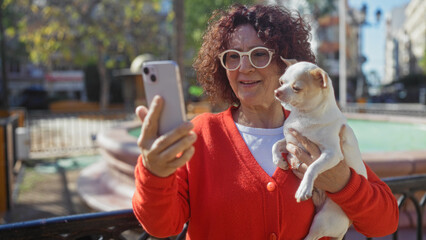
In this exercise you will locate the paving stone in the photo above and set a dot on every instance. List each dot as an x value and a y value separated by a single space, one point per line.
44 194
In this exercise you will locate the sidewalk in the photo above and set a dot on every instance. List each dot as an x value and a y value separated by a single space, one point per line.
48 189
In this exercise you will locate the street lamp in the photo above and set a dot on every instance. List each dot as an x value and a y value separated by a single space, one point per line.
378 15
360 20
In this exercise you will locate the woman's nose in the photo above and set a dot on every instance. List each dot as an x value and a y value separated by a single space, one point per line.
246 65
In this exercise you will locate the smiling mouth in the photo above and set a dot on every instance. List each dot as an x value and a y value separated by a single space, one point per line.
248 83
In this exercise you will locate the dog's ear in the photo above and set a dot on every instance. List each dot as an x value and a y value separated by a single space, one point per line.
288 62
320 75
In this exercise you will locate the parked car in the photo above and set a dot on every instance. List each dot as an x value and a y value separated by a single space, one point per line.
34 98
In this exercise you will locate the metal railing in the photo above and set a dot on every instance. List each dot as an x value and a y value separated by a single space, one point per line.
407 187
413 110
103 225
59 134
115 225
121 224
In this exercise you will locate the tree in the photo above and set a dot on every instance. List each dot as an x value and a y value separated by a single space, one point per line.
4 86
179 13
423 62
11 47
108 32
321 8
197 15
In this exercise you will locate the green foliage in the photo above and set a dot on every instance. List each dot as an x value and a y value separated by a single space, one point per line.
11 15
80 30
197 14
322 7
423 62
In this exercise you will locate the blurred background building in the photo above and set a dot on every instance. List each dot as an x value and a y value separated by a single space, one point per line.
404 77
328 49
405 40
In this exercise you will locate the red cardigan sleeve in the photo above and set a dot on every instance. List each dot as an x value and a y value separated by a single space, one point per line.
160 204
370 204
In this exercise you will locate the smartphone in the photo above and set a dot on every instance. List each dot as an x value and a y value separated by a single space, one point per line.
163 78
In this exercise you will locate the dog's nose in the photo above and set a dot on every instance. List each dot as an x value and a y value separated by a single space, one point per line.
277 93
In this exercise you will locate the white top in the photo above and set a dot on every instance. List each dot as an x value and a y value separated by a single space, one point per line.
260 142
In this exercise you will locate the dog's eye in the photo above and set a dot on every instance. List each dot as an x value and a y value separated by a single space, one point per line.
296 89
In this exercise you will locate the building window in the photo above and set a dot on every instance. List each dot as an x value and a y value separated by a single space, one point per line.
14 66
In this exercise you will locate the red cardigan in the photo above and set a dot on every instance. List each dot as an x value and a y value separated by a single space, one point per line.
224 194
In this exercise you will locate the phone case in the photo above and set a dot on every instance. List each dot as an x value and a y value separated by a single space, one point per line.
163 78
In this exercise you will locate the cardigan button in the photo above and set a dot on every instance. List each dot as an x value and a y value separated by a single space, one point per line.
273 236
271 186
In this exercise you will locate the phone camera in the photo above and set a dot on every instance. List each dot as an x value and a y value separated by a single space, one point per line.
153 78
145 70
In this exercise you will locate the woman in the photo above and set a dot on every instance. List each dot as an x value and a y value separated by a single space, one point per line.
216 173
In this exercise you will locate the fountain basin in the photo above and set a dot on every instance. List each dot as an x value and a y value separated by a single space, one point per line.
109 184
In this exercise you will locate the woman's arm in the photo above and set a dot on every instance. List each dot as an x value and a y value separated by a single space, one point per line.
160 204
160 201
369 203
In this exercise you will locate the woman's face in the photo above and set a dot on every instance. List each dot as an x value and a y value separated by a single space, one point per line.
252 86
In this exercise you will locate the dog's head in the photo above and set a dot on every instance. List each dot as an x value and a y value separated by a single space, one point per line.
304 86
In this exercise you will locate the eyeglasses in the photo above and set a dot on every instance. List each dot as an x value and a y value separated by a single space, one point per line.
259 57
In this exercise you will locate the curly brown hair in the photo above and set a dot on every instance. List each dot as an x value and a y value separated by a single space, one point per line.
280 29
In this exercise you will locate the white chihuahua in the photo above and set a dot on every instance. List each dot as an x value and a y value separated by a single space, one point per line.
306 90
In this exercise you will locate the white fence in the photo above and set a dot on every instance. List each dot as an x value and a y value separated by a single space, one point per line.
56 135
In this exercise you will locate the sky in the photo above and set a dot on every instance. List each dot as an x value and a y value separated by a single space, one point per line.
374 34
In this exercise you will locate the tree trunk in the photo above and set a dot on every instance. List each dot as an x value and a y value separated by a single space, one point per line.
104 79
5 86
179 35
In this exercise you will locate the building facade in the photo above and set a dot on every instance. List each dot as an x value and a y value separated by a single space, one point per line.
405 40
415 26
395 46
328 49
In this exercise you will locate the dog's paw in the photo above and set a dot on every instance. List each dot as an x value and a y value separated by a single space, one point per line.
279 154
304 192
276 158
280 160
283 164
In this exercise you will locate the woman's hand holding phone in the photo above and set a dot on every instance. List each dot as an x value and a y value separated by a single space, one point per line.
163 155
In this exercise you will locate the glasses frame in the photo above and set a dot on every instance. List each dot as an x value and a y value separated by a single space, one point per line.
242 54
